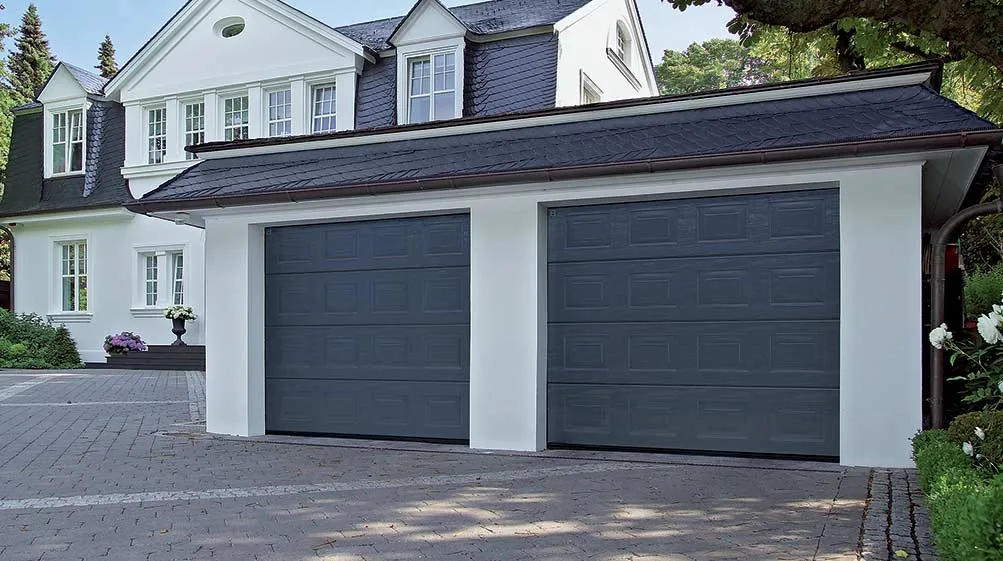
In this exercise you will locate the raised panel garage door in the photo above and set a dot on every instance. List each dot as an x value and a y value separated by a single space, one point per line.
705 324
367 328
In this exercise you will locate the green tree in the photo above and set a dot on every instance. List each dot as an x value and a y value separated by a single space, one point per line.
711 65
32 62
106 58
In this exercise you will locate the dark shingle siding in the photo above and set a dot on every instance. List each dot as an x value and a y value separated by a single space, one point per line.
511 76
376 100
495 16
26 192
801 122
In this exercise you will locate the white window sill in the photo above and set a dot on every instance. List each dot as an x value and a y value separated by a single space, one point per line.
67 174
71 317
148 312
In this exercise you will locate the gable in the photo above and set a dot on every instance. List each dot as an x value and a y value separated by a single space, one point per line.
428 21
191 54
62 86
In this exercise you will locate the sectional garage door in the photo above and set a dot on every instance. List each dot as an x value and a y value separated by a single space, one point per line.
367 328
702 324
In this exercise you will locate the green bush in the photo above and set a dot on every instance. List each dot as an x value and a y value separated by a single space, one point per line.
963 429
31 342
966 508
982 290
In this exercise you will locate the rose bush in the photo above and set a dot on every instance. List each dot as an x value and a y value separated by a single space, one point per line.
981 359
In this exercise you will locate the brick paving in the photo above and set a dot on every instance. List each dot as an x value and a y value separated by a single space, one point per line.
112 465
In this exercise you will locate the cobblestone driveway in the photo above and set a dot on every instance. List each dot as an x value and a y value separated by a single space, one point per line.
106 465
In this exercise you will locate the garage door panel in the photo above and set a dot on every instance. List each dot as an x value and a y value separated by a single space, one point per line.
777 223
369 352
358 408
441 241
749 420
367 328
409 296
732 354
762 287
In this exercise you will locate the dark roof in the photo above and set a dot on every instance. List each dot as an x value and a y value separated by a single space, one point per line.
27 106
484 18
101 185
92 83
696 135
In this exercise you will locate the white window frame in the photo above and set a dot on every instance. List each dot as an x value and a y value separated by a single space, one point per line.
404 57
153 135
64 108
191 134
288 121
223 113
316 115
165 283
56 311
588 87
623 43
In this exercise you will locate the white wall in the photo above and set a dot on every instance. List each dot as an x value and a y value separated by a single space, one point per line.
113 275
881 340
583 47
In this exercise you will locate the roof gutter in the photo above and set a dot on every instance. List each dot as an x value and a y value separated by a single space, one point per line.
836 150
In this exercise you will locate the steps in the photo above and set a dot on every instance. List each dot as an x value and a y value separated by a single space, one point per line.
158 357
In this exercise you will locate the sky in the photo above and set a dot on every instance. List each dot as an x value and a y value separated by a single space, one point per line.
75 28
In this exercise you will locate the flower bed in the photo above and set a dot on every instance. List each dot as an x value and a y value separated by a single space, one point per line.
965 502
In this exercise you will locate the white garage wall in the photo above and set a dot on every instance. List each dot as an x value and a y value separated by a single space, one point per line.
880 362
113 242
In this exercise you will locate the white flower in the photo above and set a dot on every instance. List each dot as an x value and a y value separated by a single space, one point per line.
968 448
980 433
939 336
989 328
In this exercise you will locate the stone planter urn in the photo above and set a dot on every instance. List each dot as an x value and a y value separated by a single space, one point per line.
179 330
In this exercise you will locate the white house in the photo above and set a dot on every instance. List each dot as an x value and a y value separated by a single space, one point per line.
728 272
265 70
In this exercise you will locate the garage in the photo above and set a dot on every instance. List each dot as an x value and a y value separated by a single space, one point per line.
707 325
367 328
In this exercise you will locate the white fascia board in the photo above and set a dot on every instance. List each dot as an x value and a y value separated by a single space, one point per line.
649 69
646 107
61 86
578 15
421 10
320 31
113 212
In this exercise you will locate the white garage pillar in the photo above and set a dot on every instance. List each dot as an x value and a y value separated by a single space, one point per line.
235 330
508 326
881 337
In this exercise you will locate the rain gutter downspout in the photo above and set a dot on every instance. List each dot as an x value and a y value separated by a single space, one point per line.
938 276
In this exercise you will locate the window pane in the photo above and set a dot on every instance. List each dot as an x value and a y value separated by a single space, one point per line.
59 158
82 257
445 107
77 157
235 118
445 71
77 126
179 278
419 111
69 294
82 294
420 74
157 143
324 109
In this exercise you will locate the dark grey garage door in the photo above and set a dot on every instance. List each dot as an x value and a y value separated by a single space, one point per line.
703 324
367 328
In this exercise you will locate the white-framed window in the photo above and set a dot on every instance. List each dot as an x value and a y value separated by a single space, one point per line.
156 135
622 43
72 257
590 91
235 118
162 278
194 126
68 142
431 86
280 112
325 108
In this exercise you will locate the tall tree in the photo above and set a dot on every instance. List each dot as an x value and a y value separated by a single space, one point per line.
31 62
8 100
106 58
713 64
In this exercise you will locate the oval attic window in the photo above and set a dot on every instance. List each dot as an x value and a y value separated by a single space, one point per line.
230 27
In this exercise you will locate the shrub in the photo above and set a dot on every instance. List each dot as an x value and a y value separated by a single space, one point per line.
983 430
982 290
966 508
30 341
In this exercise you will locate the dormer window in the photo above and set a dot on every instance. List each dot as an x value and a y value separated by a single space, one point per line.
67 142
432 88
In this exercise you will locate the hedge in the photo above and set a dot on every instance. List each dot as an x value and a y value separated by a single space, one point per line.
32 342
966 506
